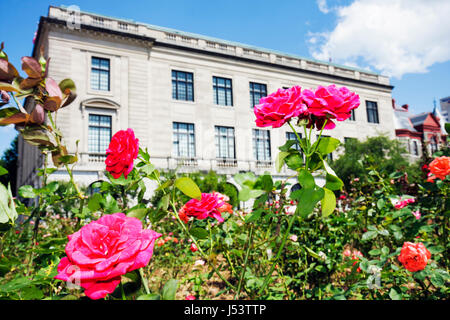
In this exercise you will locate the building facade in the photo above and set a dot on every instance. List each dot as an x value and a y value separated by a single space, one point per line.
189 98
418 133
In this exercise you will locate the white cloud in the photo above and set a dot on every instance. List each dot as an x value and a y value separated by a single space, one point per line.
322 4
392 36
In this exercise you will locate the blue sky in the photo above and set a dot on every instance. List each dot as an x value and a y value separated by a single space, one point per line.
406 39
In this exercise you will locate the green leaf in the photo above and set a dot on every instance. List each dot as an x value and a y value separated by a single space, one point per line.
294 161
380 203
151 296
327 145
369 235
164 202
287 145
52 186
279 161
254 216
170 289
307 198
394 295
375 252
328 202
246 194
265 182
3 171
139 213
447 127
385 251
94 202
31 293
110 204
245 179
333 182
121 181
148 169
199 233
27 192
188 187
8 211
306 179
312 253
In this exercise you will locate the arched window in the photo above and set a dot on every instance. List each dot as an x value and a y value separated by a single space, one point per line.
100 116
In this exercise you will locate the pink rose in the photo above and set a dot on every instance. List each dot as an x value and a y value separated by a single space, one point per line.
103 250
293 238
417 214
190 297
330 103
208 206
193 247
279 107
403 203
122 151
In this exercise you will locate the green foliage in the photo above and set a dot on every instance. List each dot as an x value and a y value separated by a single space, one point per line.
381 152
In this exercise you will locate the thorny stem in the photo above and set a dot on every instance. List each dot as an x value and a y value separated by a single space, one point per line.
144 281
249 245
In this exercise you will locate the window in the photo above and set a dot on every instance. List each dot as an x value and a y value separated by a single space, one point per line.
182 85
415 148
292 136
99 21
257 91
261 145
225 142
372 111
347 139
99 133
123 26
352 115
100 71
223 91
433 144
183 140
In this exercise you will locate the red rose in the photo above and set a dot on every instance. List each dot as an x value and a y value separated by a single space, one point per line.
208 206
414 256
104 250
122 151
439 168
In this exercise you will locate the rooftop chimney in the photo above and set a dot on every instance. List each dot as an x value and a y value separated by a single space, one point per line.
393 103
405 106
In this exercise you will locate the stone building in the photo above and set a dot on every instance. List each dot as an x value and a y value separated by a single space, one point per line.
188 97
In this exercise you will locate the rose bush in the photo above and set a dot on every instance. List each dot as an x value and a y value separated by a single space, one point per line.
263 240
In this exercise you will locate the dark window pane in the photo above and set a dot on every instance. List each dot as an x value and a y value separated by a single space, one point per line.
257 91
183 139
182 85
372 112
99 134
100 74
